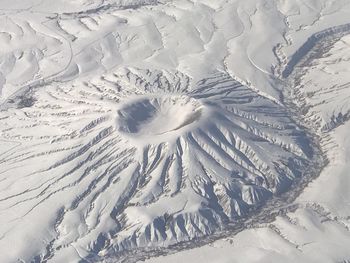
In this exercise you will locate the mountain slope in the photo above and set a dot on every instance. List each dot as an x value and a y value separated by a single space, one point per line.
131 126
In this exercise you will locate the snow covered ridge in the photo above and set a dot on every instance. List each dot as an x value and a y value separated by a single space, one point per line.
125 124
139 158
302 52
321 82
44 41
316 229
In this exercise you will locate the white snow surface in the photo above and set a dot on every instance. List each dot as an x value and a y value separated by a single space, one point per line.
128 127
317 229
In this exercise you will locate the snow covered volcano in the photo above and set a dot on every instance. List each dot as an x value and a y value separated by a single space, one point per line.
140 159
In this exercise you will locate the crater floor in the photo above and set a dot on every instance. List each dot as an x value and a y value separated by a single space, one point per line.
159 115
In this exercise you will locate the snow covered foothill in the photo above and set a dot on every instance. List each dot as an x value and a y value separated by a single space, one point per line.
316 229
130 126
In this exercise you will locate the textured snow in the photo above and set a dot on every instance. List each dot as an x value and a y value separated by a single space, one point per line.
130 126
160 159
317 228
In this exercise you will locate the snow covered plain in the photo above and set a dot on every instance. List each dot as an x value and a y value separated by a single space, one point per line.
131 129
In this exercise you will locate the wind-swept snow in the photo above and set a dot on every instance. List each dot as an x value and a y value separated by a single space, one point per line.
137 159
316 228
128 127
